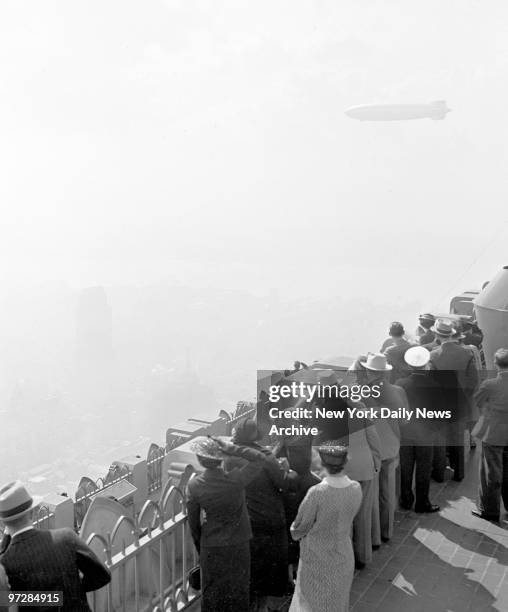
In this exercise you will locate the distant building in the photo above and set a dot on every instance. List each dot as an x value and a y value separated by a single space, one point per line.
94 345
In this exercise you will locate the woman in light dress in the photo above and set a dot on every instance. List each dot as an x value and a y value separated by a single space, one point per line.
323 527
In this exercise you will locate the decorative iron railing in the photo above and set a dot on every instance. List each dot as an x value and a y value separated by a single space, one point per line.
149 557
43 517
154 461
242 410
88 487
174 440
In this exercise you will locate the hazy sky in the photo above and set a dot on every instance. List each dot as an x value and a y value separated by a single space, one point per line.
206 142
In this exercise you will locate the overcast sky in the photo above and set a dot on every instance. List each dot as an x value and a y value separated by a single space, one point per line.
206 142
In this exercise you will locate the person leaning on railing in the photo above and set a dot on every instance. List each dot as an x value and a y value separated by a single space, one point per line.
219 523
265 504
46 559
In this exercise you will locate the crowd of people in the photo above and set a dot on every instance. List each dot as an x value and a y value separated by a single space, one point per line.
295 516
292 517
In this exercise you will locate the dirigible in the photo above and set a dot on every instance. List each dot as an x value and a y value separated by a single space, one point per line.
399 112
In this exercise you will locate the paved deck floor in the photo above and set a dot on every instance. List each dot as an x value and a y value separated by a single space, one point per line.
450 561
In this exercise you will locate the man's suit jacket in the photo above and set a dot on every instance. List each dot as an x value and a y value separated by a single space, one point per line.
456 371
422 391
364 449
392 397
492 400
425 336
52 560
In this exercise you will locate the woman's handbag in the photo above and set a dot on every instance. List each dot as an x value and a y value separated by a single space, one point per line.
195 578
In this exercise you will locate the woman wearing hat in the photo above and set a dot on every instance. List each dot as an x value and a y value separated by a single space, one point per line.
219 524
364 460
323 527
265 503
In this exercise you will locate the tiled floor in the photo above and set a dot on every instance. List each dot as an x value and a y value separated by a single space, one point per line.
445 562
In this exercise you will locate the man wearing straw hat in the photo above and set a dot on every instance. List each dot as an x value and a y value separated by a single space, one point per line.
49 559
418 435
378 369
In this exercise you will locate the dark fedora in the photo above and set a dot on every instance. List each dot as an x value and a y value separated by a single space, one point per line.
426 316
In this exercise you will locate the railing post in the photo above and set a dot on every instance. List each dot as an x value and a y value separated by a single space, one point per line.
63 509
139 478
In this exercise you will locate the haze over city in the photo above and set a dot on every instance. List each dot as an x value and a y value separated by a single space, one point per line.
194 160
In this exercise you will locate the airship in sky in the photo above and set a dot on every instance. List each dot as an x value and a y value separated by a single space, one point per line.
399 112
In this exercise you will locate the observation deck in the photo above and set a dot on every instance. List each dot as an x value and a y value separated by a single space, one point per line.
135 520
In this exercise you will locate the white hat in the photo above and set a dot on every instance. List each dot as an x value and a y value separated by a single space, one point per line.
376 361
417 356
15 501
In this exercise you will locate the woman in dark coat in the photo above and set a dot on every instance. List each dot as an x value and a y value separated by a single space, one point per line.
298 451
219 524
269 544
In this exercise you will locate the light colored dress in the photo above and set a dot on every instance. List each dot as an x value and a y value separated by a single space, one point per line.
323 526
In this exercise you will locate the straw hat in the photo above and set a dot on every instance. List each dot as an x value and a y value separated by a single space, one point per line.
207 448
377 362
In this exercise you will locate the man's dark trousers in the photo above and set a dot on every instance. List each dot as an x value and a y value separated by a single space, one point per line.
493 480
411 457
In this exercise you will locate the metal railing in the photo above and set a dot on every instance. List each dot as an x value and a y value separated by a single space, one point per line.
88 487
149 557
154 461
243 409
43 518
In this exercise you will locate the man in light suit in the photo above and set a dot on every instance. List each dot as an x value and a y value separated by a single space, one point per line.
455 369
393 397
46 560
364 462
492 430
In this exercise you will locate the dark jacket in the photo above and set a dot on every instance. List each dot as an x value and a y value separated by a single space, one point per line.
52 560
298 450
216 507
456 371
492 400
395 357
422 391
264 492
425 336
